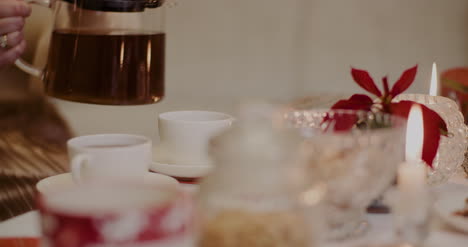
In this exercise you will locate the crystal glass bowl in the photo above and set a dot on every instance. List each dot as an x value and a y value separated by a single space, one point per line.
257 195
452 148
357 165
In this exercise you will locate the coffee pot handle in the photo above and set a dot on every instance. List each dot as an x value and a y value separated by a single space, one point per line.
22 64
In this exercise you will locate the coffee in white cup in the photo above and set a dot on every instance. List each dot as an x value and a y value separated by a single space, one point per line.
109 156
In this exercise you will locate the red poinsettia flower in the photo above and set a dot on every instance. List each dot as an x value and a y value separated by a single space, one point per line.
434 125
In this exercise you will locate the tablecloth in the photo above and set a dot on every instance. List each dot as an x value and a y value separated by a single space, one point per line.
380 230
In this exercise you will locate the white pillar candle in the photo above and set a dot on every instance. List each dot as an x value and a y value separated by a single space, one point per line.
412 174
411 210
412 178
434 87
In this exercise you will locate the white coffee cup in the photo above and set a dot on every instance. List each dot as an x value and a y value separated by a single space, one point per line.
185 135
109 156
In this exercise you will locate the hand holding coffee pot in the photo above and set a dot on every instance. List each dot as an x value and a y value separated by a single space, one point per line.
108 52
12 44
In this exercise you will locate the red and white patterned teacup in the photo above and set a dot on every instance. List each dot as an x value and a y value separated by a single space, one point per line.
121 215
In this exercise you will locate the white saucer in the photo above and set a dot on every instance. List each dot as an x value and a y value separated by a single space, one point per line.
181 171
449 203
61 181
159 165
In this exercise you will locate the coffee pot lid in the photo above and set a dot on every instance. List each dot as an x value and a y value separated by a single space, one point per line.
117 5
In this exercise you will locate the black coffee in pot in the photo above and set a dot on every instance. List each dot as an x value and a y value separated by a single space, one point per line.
106 67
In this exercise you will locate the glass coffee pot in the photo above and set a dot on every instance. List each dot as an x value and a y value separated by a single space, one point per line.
109 52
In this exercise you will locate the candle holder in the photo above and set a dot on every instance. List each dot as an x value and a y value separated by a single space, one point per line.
465 164
411 202
451 153
411 216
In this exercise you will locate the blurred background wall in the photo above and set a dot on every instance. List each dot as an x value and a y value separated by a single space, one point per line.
222 52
